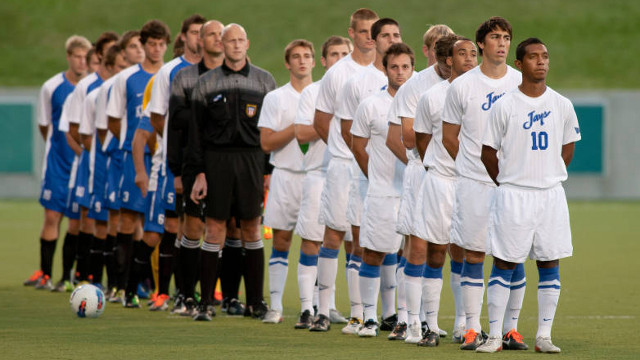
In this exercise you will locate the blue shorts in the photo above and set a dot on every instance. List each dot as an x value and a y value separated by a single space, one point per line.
97 210
83 197
130 194
54 193
154 213
72 210
168 191
114 172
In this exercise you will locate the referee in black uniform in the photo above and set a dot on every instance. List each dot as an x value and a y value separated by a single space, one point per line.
224 150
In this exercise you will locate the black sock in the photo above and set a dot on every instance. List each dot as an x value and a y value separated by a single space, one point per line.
189 255
96 259
82 255
68 255
110 261
124 251
209 256
141 260
165 262
177 269
47 249
254 272
231 268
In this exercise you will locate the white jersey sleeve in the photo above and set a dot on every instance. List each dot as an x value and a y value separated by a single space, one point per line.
68 110
44 102
270 113
422 122
348 100
571 126
160 91
88 118
116 102
361 126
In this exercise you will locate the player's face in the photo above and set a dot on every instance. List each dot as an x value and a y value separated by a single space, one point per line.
389 35
361 35
133 52
106 47
535 63
301 62
495 47
77 61
192 38
235 44
119 65
465 56
94 62
398 70
212 38
154 50
335 53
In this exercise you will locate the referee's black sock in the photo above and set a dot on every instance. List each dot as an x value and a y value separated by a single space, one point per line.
47 249
110 261
254 271
189 255
96 259
177 269
209 256
231 268
141 259
165 262
123 255
68 255
82 255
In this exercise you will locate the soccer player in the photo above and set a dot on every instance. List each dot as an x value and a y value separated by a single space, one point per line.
224 151
93 60
538 129
315 163
277 136
125 111
58 157
467 105
437 191
384 171
369 81
162 202
177 132
335 193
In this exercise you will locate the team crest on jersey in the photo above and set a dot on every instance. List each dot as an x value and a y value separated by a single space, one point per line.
577 130
251 110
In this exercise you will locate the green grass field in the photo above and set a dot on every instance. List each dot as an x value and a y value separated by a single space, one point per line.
590 41
597 316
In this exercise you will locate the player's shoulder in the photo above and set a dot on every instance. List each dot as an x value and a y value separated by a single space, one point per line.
54 81
260 72
311 88
513 73
343 67
466 78
189 70
437 89
87 80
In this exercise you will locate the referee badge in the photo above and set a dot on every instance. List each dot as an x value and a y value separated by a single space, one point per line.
251 110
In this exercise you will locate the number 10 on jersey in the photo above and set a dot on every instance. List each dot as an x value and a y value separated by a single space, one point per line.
540 140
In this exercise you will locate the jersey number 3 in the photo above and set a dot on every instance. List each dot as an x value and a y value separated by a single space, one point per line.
540 140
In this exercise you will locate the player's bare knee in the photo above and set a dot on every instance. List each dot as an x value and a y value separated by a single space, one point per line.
473 257
309 247
436 255
372 257
171 224
193 227
73 227
332 238
282 239
152 239
503 265
547 264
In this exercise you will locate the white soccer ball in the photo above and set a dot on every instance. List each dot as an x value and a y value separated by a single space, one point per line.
87 301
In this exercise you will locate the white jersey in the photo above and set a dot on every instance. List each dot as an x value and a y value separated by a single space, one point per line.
88 118
316 156
428 120
406 100
369 81
468 103
530 133
73 106
385 171
101 121
278 112
327 101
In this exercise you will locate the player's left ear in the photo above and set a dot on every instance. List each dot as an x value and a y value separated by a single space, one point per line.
323 62
518 64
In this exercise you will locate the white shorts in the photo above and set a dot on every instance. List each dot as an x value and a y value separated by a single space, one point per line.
529 222
308 227
377 231
283 202
357 193
435 207
335 195
470 220
413 174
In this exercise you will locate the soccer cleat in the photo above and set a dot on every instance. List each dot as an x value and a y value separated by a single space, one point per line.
458 335
132 301
389 323
178 305
471 340
205 313
143 290
544 345
117 297
33 279
353 326
191 308
272 317
305 321
321 324
64 286
152 299
442 333
235 308
493 344
44 283
336 317
161 303
414 333
430 339
369 329
399 332
259 310
513 341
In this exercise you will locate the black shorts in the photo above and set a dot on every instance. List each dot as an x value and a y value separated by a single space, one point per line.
187 206
234 184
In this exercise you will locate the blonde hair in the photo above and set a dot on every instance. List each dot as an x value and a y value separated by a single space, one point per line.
77 41
434 32
295 43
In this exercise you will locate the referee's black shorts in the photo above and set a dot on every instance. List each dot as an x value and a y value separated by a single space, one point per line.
187 206
234 184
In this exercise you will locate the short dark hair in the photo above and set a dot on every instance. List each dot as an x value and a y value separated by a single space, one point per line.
104 39
178 47
155 29
126 38
495 22
377 26
335 40
90 53
111 54
398 49
193 19
460 38
444 46
295 43
362 14
521 50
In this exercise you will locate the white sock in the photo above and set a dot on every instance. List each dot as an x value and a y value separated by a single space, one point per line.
355 299
516 296
498 291
388 287
278 269
327 271
456 289
413 287
548 295
431 289
472 282
307 275
369 288
401 293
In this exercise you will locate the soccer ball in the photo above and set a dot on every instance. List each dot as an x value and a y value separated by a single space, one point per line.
87 301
